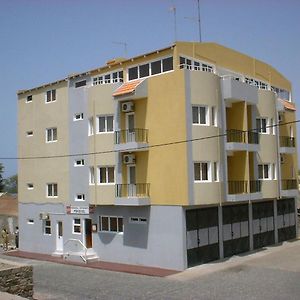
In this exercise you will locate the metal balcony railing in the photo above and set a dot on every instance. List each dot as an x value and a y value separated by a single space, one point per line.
286 141
289 184
237 187
253 137
235 136
255 186
137 135
133 190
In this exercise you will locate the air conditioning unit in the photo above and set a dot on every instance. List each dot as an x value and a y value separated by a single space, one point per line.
44 216
129 159
127 106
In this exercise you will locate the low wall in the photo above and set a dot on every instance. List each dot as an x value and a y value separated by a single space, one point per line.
16 279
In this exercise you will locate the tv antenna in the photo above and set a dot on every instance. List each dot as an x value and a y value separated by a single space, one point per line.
198 20
123 44
173 9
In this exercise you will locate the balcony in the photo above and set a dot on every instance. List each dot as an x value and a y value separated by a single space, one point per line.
135 194
289 187
241 190
236 91
239 140
287 144
131 140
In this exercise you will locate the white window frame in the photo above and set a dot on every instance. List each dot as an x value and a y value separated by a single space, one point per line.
197 65
78 117
106 175
30 186
29 101
206 115
45 226
92 176
51 98
79 162
100 79
77 225
30 221
216 171
52 140
270 171
29 133
109 224
209 175
259 129
91 126
52 184
80 197
98 124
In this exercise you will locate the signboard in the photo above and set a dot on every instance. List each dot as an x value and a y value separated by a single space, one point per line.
80 210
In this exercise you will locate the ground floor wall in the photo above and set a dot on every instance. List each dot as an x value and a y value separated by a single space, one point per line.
171 237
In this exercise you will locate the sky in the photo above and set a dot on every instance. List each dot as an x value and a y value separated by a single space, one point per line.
43 41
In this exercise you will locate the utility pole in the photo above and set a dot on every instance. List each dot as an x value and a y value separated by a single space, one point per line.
123 44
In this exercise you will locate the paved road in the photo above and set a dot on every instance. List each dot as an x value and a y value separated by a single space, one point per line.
270 274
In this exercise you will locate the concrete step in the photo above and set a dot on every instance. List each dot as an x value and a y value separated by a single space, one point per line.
80 257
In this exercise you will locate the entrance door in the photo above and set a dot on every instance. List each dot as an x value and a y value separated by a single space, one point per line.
88 233
202 235
235 229
263 224
59 236
131 181
130 127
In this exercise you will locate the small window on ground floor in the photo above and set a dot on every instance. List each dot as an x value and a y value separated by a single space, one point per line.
47 227
76 226
111 224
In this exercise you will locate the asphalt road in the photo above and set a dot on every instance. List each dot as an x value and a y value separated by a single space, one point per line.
269 274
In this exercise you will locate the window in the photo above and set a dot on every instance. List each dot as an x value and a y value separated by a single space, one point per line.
52 190
106 175
105 124
92 175
167 64
214 116
207 68
78 117
79 163
51 135
29 99
132 73
200 115
47 227
80 83
156 67
261 125
264 171
137 220
144 70
216 171
76 226
110 224
91 126
50 96
113 77
80 197
29 133
30 221
30 186
201 171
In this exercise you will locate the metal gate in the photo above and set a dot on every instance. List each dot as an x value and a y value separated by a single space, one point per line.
235 229
286 219
263 224
202 235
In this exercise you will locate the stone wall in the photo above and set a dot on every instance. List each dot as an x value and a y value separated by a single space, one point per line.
16 279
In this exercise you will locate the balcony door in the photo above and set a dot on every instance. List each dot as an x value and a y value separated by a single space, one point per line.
131 180
130 136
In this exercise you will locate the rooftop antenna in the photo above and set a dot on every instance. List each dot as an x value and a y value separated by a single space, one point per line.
123 44
198 19
173 9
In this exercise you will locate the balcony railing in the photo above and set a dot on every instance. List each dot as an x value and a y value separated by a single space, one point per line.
255 186
237 187
289 184
236 136
133 190
136 135
286 141
253 137
239 136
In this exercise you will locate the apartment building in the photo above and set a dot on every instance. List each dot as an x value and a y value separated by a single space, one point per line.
170 159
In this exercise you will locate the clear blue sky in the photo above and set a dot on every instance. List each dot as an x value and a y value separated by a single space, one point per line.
42 41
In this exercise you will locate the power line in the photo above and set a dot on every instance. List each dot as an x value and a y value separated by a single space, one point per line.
143 147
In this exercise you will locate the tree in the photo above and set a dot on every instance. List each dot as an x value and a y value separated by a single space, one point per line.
1 178
11 184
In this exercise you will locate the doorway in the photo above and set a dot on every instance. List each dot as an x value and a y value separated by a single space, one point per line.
88 233
130 127
131 180
59 236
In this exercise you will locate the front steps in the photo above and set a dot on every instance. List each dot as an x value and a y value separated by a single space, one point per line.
80 256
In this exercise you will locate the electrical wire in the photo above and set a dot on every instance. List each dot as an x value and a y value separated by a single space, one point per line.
142 147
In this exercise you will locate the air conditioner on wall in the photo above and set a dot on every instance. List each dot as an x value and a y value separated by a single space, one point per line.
127 106
129 159
44 216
